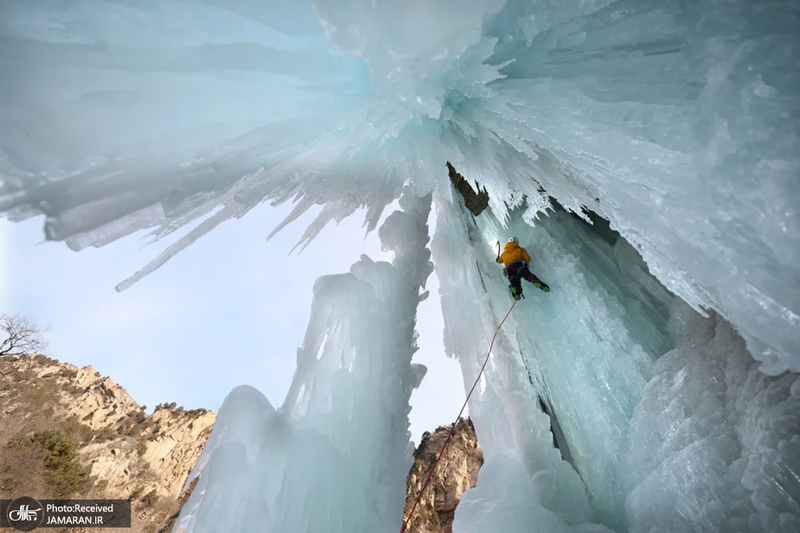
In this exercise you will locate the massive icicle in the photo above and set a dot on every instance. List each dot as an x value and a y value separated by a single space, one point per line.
336 455
674 120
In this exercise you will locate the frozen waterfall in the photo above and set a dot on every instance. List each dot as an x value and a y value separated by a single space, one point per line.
336 455
646 152
666 418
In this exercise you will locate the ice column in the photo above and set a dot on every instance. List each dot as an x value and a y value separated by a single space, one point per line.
335 456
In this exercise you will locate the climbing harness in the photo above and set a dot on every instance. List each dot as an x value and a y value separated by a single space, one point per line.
430 473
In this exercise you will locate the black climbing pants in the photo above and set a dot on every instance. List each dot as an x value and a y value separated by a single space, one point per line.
517 272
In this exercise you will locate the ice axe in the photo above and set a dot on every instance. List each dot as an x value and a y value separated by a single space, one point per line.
505 270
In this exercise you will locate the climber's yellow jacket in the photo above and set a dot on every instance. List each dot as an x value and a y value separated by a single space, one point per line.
513 252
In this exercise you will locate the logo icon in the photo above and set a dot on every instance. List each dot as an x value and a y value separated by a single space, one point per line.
25 514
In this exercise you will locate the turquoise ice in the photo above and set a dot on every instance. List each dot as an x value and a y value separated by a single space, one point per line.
646 153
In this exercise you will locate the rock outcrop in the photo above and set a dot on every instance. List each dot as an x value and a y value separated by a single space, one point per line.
456 472
475 201
120 451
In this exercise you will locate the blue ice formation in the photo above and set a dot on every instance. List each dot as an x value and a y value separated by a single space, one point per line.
668 350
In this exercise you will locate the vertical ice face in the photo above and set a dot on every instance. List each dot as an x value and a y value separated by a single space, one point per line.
714 443
664 417
524 482
336 455
589 350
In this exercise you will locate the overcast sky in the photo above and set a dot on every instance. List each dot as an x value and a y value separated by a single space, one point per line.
230 310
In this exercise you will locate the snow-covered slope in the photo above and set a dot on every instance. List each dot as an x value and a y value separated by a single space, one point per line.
674 121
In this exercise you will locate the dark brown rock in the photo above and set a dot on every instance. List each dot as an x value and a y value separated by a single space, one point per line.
476 202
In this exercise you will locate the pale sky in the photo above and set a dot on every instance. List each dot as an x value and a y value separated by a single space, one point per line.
230 310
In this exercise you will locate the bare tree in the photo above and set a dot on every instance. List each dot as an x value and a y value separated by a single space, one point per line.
22 336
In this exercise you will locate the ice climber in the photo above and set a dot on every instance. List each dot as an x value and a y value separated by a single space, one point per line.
516 259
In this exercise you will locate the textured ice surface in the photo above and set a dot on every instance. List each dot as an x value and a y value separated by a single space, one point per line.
524 483
715 444
666 417
336 455
674 120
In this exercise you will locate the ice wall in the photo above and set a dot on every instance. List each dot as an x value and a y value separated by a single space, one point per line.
667 420
524 483
714 443
336 455
674 120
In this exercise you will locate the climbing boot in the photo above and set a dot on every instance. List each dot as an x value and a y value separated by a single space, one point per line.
514 293
541 285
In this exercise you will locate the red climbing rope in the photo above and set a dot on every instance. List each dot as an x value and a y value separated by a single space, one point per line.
424 485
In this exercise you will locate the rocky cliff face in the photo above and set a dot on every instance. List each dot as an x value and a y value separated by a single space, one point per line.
456 472
113 449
